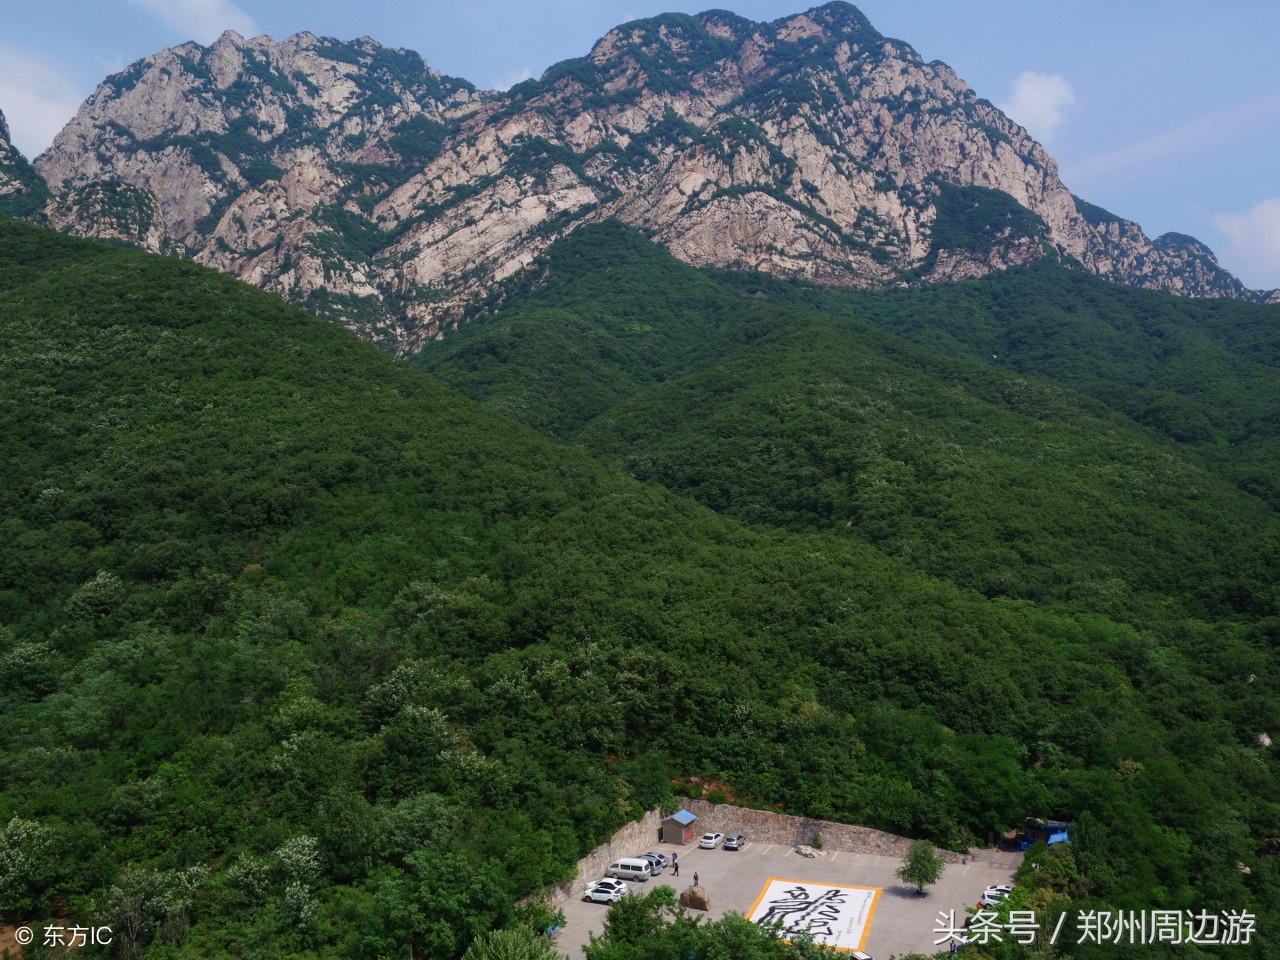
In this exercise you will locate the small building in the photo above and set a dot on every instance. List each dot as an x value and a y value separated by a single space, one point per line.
679 828
1047 831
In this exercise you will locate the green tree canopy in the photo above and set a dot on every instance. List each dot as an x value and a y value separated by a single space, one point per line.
513 943
922 866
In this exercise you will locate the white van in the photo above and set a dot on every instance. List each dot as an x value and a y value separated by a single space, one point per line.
630 868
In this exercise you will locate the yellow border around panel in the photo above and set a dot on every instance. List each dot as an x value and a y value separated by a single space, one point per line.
866 927
871 915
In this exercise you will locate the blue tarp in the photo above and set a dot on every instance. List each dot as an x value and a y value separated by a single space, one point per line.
1060 838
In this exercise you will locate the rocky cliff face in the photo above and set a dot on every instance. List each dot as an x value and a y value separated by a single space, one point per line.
261 159
23 192
1120 251
350 178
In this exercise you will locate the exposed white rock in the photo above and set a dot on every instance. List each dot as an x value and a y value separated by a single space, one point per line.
809 147
18 180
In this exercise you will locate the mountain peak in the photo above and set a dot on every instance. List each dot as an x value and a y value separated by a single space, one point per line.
839 18
230 38
350 177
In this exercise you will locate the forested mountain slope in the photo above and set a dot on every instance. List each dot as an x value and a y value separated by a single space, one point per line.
303 652
781 406
1204 373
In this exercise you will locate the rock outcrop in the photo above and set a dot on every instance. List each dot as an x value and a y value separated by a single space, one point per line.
1120 251
350 178
23 191
695 898
109 210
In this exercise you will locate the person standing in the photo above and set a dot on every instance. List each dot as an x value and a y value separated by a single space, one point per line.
675 867
695 878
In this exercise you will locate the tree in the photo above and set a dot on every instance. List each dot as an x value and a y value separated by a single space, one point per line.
514 943
639 918
27 849
922 866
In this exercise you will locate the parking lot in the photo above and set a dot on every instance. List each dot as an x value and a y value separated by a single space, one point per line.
903 922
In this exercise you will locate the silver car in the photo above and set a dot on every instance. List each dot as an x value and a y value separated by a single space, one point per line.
655 860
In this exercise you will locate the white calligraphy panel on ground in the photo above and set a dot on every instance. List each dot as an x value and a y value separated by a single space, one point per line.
834 914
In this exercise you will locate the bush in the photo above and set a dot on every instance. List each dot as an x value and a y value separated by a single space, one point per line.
516 943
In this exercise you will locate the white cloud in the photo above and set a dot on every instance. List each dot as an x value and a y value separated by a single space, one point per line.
201 20
1208 133
1039 103
36 99
511 78
1255 243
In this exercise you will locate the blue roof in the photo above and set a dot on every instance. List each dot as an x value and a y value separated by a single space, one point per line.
684 817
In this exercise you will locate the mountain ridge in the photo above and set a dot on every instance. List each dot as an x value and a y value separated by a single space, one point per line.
356 181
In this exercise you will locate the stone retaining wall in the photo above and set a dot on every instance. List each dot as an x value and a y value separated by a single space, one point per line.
767 826
758 826
635 837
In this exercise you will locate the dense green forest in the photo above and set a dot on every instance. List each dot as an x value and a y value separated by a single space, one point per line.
1199 372
788 406
304 653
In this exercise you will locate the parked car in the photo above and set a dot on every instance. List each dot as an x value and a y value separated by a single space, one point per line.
735 841
859 955
1000 890
605 891
655 862
662 858
631 868
711 840
991 903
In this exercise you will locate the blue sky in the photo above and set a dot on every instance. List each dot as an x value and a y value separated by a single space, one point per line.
1166 113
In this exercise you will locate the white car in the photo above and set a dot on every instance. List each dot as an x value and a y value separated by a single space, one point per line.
605 891
711 840
1000 890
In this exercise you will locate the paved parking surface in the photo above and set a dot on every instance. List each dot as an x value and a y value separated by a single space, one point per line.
903 921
